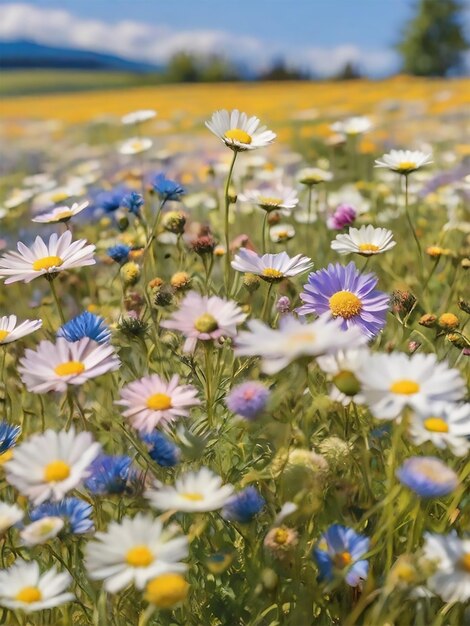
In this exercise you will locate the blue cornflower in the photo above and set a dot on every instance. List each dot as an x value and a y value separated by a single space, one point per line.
109 474
161 449
340 550
85 325
166 188
8 436
119 253
248 399
75 512
427 476
243 506
133 202
111 200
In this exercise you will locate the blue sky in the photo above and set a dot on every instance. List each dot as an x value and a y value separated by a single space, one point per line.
319 35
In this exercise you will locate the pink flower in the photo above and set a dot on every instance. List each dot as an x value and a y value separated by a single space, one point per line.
343 216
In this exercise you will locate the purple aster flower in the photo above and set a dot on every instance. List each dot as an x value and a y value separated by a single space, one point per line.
248 399
283 305
243 506
427 476
346 293
343 216
340 551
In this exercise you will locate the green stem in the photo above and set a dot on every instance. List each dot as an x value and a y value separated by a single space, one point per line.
410 223
208 372
226 222
309 203
265 219
265 311
146 615
50 279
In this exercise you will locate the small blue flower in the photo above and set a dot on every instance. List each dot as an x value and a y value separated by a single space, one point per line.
110 201
85 325
166 188
427 476
76 514
109 474
161 449
119 253
243 506
133 202
8 436
340 550
248 399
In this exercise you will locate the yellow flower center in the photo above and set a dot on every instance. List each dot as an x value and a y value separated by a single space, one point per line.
407 165
464 562
271 273
436 425
3 334
404 387
282 234
59 196
159 402
237 134
139 556
69 368
6 456
56 471
166 590
29 595
206 323
345 304
281 536
193 496
301 338
342 559
368 247
268 201
64 215
46 263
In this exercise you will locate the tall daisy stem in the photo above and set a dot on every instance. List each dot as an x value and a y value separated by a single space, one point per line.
227 222
56 298
267 302
265 219
410 223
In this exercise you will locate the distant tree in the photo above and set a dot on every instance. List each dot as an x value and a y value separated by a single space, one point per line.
183 68
434 41
216 69
349 71
280 71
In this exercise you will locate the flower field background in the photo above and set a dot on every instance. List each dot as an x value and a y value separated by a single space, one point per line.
241 398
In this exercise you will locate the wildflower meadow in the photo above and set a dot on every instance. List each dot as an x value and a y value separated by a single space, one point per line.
234 359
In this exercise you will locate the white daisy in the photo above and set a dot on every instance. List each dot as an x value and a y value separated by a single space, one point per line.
45 259
392 382
193 492
152 401
74 188
10 514
313 176
294 339
48 465
137 117
341 369
281 233
446 425
10 331
61 213
276 198
365 241
404 161
451 557
270 267
18 197
352 126
51 367
134 551
22 586
135 145
41 531
238 131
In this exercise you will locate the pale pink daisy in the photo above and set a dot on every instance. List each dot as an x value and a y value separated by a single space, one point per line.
152 401
10 330
205 318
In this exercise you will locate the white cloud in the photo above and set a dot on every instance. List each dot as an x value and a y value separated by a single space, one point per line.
157 43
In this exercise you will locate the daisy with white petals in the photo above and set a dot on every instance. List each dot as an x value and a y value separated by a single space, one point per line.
193 492
365 241
41 531
151 401
404 161
393 382
281 232
10 514
137 117
451 558
134 551
445 424
61 213
22 586
271 267
135 145
278 198
341 369
53 366
238 131
352 126
45 259
11 331
47 466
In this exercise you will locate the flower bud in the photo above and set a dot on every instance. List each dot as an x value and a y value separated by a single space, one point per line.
174 222
130 273
347 383
464 305
448 321
428 320
251 282
180 280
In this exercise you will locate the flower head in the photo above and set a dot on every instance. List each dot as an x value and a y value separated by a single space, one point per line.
161 450
340 551
109 474
45 259
74 512
270 267
343 216
238 131
347 295
427 476
445 424
119 253
166 591
11 331
137 117
85 325
450 556
249 399
133 203
352 126
342 369
365 241
276 198
244 506
404 161
313 176
9 433
61 214
41 531
281 541
135 145
54 366
166 188
10 514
